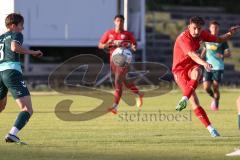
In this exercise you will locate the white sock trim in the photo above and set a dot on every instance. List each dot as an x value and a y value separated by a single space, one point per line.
210 128
14 131
185 98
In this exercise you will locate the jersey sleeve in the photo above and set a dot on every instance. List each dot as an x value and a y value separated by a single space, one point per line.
18 37
207 37
104 37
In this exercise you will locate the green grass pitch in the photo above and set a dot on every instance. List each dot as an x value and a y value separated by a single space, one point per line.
123 136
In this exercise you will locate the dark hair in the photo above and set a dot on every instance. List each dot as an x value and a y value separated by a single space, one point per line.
214 22
14 18
119 16
197 20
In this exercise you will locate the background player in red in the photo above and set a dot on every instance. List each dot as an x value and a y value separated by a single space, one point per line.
112 39
186 65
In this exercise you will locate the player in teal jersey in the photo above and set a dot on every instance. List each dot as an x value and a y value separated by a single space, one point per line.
11 73
214 54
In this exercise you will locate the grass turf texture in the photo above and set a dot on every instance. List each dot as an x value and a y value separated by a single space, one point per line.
113 137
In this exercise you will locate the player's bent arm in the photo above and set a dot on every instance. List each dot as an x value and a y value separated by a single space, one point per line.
195 57
101 46
224 37
15 47
232 31
105 45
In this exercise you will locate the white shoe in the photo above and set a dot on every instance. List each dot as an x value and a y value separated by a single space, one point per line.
235 153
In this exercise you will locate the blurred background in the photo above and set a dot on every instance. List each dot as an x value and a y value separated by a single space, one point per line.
65 28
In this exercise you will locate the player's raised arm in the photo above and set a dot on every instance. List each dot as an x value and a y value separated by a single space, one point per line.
232 31
15 47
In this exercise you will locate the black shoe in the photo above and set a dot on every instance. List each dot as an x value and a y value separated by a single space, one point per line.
9 138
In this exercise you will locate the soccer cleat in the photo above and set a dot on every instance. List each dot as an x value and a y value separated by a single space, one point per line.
235 153
113 110
181 105
214 105
214 133
140 101
9 138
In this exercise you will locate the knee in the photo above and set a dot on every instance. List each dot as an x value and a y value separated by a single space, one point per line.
206 88
196 74
27 109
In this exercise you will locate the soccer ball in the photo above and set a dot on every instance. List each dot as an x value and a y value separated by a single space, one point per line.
121 57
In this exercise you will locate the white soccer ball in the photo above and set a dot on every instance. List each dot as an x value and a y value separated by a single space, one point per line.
121 57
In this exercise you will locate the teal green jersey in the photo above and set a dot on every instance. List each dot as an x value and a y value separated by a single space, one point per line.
211 50
8 58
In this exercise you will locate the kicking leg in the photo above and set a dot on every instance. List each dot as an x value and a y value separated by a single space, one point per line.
189 88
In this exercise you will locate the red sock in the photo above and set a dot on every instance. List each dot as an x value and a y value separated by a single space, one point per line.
132 87
117 93
191 87
202 116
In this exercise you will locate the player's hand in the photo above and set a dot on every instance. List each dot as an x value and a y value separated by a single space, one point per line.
109 44
219 55
234 29
134 48
37 53
208 67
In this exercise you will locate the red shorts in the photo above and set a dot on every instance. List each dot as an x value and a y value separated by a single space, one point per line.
118 70
183 77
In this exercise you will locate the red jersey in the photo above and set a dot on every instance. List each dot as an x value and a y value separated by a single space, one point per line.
119 37
186 43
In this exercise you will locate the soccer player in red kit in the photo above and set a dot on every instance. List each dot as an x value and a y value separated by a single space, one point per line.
111 40
186 65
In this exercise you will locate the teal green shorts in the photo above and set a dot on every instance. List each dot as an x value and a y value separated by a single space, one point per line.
12 80
214 75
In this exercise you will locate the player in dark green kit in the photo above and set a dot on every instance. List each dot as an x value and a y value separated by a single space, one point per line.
11 73
214 54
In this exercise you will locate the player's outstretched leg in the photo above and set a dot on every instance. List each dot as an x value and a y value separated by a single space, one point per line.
187 92
23 117
202 116
188 86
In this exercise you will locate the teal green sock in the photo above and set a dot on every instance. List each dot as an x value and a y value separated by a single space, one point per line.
22 119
